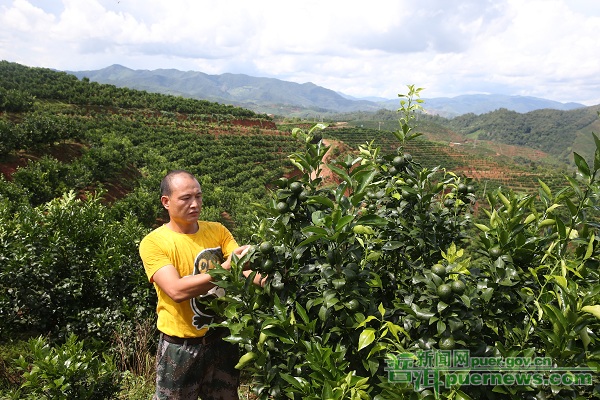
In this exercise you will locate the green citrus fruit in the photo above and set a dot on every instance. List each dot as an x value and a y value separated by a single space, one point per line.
398 161
439 270
407 157
447 343
282 207
266 247
268 265
495 252
303 196
444 291
462 188
458 287
296 187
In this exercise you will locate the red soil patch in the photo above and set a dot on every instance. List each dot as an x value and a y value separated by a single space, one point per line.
63 152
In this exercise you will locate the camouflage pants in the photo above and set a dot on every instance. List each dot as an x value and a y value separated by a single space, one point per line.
184 372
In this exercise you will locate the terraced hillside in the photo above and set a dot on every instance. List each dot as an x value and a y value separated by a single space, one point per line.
489 164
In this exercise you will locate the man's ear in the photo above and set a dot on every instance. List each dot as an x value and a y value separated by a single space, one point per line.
165 201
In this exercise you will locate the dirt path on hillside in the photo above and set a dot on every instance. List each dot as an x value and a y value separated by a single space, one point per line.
325 173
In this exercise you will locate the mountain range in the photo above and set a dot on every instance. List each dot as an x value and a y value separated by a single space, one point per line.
274 96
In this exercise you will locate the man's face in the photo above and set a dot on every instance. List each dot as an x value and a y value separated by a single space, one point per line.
185 202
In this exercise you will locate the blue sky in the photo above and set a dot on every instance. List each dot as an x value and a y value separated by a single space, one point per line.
541 48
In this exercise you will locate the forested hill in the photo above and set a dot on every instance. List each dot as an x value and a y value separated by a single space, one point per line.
558 133
553 131
44 83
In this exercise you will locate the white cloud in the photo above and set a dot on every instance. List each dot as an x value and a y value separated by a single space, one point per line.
544 48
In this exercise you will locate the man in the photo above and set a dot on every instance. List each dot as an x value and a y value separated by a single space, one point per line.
192 360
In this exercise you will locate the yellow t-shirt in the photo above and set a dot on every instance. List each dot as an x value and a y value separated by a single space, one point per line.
190 254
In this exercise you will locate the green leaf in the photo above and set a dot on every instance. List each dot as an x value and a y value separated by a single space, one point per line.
585 337
424 315
482 227
376 349
486 294
395 329
368 319
572 207
561 228
366 338
246 359
545 188
310 239
561 280
302 312
315 229
364 178
321 200
341 173
505 201
530 218
372 220
596 140
546 222
582 165
293 380
392 245
594 310
575 185
345 220
556 317
460 395
323 314
590 247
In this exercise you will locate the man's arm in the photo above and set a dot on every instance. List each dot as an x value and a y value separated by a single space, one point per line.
181 289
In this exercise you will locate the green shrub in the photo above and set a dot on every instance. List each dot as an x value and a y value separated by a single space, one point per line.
43 180
9 137
15 100
67 372
68 267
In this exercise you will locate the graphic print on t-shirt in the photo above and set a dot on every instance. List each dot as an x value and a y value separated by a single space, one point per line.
202 316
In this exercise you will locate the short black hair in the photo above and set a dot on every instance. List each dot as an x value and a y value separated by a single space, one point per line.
165 184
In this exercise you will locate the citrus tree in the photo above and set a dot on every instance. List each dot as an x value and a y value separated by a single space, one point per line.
388 262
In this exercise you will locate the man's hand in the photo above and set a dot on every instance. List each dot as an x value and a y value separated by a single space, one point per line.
240 252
